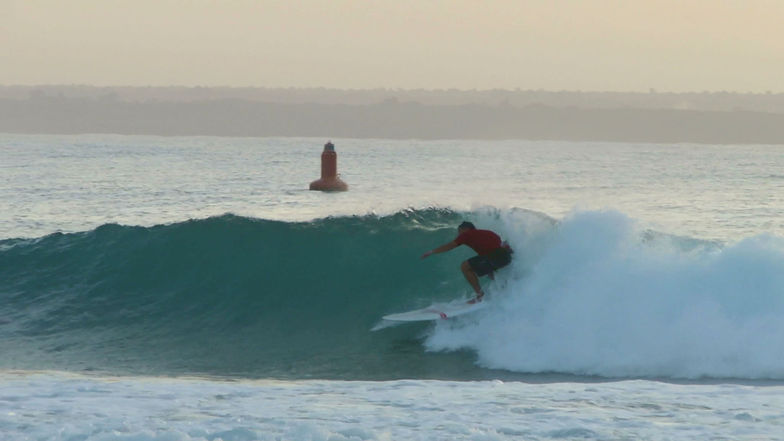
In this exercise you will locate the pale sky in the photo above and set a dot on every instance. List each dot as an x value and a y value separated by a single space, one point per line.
590 45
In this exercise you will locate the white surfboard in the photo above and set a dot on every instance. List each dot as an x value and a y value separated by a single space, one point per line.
436 311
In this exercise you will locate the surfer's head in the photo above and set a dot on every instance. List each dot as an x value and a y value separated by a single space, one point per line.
466 226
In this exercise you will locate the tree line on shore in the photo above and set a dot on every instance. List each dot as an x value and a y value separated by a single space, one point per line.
395 115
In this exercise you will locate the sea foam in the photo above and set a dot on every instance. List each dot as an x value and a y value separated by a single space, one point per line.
598 294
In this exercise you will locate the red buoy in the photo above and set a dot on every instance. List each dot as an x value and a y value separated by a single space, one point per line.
329 171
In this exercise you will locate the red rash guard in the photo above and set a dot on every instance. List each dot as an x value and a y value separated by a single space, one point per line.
481 241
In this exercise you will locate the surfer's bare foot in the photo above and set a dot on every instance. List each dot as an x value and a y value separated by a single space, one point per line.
476 299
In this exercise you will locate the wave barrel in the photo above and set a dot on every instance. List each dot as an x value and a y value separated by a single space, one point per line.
329 180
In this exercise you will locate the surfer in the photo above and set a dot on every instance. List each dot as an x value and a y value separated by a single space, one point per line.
492 254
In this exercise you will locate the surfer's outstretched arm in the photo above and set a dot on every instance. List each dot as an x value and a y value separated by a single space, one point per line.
445 247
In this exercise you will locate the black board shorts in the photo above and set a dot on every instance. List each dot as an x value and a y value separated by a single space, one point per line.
484 265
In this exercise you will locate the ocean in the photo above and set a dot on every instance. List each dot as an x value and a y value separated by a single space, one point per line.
192 288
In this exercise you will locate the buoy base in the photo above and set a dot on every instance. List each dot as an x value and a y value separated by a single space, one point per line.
329 184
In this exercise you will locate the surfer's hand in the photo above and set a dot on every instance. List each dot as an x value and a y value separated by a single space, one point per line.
427 254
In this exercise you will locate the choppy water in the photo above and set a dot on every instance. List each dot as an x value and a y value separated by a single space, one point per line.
154 258
56 406
79 183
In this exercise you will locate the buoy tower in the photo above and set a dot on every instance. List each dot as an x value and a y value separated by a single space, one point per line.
329 171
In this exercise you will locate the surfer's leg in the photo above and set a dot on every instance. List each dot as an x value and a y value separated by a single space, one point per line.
472 278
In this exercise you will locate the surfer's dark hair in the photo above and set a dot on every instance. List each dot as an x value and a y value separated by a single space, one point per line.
466 224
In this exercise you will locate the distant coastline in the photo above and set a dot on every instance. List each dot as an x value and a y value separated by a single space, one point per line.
718 118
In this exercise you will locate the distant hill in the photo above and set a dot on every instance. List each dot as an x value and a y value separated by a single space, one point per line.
721 118
726 101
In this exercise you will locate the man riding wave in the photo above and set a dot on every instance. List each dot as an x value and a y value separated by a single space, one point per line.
492 254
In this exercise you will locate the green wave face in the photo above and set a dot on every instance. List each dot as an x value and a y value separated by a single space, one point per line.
232 296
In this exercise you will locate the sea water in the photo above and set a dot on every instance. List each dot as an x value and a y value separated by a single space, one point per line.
194 289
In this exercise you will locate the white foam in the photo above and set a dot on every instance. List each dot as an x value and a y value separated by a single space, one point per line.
595 295
56 406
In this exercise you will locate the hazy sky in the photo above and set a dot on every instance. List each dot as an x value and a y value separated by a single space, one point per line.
618 45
